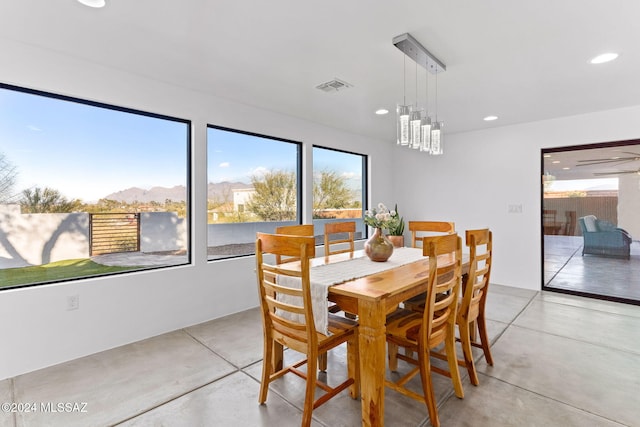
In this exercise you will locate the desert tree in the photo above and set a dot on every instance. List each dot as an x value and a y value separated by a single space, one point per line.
47 200
275 196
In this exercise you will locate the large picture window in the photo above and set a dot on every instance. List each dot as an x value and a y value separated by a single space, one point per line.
253 185
339 188
88 189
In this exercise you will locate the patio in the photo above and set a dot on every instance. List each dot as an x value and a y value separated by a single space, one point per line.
565 268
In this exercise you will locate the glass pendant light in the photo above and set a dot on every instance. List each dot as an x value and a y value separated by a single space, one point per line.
403 124
425 134
415 123
415 120
436 130
425 125
403 112
415 128
436 139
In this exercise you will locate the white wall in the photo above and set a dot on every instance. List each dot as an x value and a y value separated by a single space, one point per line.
36 329
41 238
483 172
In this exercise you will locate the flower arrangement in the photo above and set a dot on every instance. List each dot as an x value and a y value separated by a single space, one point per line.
381 217
398 230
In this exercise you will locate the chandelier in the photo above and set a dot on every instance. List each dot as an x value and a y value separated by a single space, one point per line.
415 127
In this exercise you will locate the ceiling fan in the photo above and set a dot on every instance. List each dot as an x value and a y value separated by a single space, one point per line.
619 160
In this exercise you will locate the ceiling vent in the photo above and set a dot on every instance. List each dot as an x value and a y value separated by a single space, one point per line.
334 85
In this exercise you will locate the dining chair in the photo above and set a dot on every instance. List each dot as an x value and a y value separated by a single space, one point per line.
291 323
339 234
471 308
294 230
305 230
434 326
419 229
474 300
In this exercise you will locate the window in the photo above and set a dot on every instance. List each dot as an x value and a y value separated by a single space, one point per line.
253 185
339 187
80 181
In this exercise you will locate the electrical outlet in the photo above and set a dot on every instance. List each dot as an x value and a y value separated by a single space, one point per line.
73 302
515 208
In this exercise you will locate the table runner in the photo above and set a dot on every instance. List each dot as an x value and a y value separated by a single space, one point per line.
325 275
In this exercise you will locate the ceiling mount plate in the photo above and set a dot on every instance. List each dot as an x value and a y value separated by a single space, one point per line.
414 50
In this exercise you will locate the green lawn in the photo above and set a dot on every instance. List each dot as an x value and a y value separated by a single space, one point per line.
55 271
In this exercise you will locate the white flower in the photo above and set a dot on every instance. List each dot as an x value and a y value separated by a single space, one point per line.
381 217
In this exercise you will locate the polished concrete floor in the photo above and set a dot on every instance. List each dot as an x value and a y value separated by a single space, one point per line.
565 268
560 360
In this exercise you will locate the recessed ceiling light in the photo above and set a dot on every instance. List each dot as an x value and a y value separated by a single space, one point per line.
555 161
93 3
382 111
566 168
490 118
605 57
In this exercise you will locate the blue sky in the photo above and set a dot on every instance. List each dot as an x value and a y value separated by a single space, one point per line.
88 152
228 163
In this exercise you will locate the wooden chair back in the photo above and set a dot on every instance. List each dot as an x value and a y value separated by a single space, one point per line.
476 286
339 234
294 230
290 319
422 228
471 311
439 315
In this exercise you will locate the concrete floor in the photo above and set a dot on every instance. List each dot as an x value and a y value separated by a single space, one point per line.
560 360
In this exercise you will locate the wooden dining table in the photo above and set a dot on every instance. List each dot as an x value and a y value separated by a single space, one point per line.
371 298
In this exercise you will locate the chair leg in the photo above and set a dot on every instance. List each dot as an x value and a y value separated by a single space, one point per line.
465 341
450 348
309 397
472 331
277 356
322 362
353 366
427 387
392 349
267 366
484 339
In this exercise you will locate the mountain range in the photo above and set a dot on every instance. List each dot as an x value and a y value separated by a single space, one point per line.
220 191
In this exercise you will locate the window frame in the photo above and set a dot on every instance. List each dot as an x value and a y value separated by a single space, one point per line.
299 179
364 179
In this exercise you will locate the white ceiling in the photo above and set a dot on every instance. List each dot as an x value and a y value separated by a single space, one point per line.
520 60
593 162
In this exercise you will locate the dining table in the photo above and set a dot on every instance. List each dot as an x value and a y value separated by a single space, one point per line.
372 297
